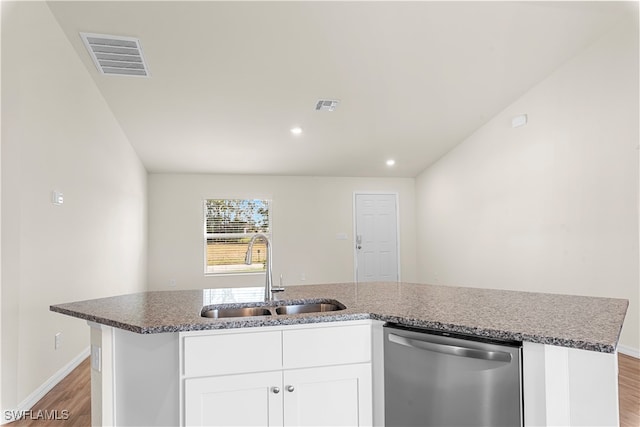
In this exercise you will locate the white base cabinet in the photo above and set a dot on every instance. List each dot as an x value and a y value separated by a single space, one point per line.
307 375
329 396
326 396
234 400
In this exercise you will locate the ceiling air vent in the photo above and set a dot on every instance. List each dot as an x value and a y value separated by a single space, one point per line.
327 104
115 55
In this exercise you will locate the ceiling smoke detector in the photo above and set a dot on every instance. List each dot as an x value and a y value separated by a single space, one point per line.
116 55
327 104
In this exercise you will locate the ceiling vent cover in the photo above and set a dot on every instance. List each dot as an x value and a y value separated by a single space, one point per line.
327 104
115 55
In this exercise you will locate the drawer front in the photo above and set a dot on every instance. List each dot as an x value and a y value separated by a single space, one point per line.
326 346
232 353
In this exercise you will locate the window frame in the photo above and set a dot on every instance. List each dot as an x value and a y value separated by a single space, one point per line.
207 236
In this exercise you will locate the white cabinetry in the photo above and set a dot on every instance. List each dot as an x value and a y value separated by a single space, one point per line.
299 375
234 400
227 377
328 396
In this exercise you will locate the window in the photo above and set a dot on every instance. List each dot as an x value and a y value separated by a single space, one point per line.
229 225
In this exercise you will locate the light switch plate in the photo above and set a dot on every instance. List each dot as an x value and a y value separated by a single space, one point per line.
57 198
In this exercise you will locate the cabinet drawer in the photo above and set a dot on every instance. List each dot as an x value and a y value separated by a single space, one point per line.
232 353
326 346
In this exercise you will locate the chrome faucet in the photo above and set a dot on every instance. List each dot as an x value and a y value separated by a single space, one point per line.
268 285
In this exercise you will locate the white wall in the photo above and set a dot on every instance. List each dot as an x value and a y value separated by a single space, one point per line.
1 349
58 133
307 212
552 206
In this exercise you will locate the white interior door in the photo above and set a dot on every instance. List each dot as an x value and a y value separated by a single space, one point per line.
376 237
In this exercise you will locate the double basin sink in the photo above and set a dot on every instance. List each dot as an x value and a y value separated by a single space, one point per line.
219 312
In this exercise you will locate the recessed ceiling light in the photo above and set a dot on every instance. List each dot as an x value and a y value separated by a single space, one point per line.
296 130
391 162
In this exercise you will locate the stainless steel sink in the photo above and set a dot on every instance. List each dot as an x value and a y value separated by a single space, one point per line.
218 313
307 308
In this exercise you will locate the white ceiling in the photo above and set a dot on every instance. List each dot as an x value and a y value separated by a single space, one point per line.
229 79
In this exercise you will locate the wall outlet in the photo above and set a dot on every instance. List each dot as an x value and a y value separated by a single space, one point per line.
303 277
57 341
172 283
96 358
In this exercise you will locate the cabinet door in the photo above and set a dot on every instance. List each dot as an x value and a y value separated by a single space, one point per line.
328 396
234 400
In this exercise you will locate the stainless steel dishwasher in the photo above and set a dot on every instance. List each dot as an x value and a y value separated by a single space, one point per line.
444 379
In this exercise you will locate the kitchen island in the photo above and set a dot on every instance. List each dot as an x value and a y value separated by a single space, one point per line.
569 345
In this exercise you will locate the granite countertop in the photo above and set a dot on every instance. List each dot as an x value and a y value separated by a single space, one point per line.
587 323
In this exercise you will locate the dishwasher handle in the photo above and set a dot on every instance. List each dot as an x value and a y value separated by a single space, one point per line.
453 350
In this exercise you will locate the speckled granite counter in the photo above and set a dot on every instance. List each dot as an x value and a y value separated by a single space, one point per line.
571 321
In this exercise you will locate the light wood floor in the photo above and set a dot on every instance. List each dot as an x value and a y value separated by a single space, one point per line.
74 394
629 390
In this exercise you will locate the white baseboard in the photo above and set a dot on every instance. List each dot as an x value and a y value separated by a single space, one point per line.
45 388
629 351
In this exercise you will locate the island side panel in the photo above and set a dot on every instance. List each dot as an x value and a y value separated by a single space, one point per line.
147 379
377 371
102 379
593 383
569 387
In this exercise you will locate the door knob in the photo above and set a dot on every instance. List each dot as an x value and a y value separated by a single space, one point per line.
290 388
275 390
